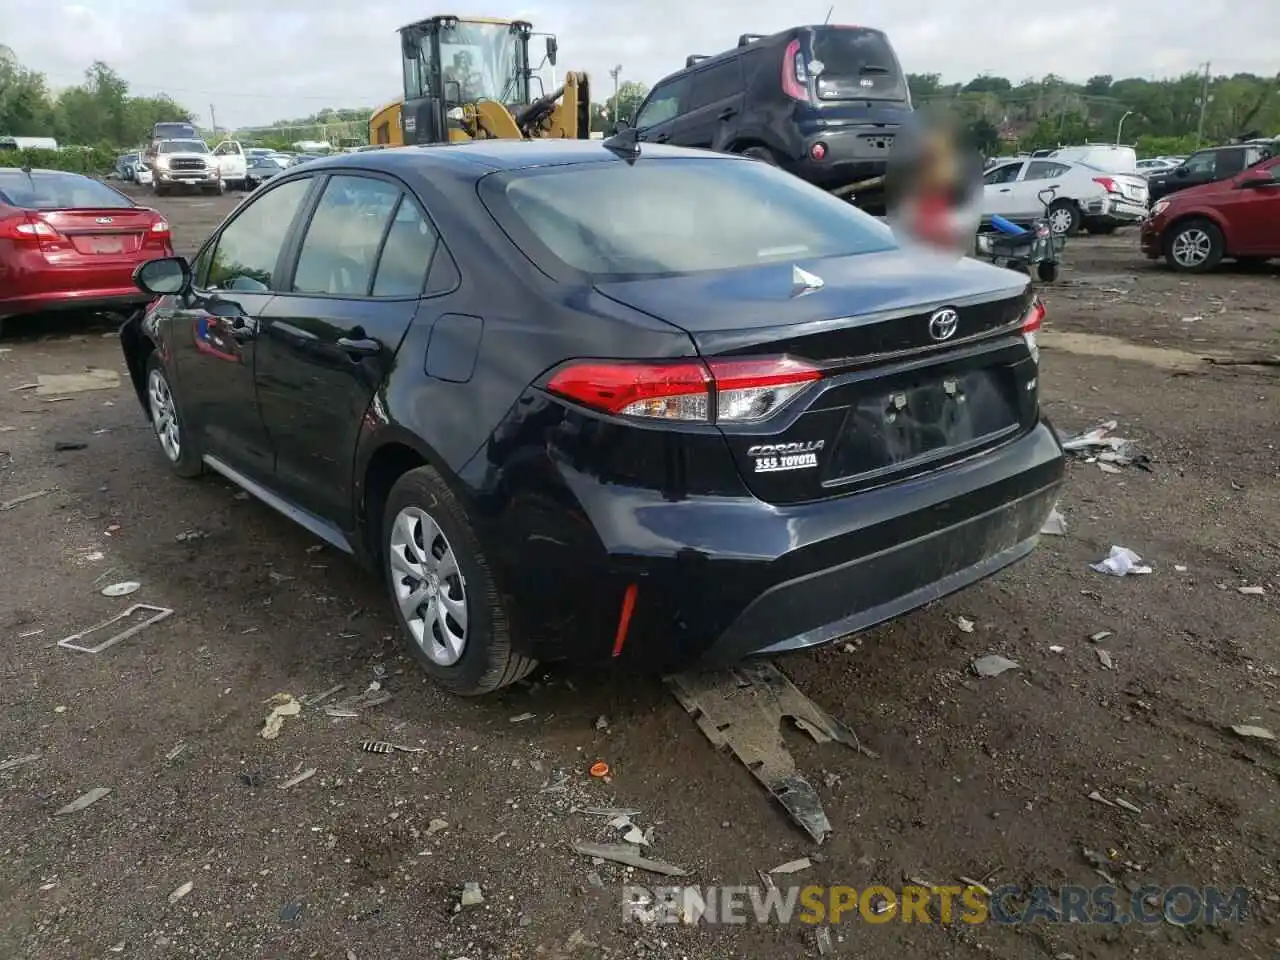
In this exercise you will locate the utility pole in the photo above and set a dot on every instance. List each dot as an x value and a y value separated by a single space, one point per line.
213 119
615 73
1120 125
1204 103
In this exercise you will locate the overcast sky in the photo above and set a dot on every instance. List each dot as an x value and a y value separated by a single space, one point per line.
258 61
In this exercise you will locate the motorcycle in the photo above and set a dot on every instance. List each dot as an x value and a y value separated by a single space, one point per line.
1017 248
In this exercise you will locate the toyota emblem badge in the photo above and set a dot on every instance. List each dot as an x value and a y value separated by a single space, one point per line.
943 324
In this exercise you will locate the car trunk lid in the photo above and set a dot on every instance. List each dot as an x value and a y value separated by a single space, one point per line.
106 232
924 363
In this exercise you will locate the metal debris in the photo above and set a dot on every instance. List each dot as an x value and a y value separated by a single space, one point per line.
521 718
25 498
627 855
1121 802
993 665
793 866
155 615
382 746
1252 733
1104 658
741 709
294 781
85 800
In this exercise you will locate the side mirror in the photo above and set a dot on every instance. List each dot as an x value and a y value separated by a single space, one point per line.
1255 178
165 277
553 48
622 124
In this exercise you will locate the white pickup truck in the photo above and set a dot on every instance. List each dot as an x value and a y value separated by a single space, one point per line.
232 163
190 163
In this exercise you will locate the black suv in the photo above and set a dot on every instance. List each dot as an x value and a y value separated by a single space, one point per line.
1207 166
823 102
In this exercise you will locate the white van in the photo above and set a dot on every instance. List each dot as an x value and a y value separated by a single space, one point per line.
1104 156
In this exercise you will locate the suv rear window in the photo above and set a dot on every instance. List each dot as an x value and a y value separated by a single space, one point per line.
667 217
48 190
857 64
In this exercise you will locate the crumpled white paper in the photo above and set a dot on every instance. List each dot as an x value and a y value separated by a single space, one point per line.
1120 562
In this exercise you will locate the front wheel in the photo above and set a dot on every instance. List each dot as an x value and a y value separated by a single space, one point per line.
761 153
1064 218
1195 246
167 422
451 614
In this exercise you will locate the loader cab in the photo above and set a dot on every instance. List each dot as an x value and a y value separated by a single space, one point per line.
450 61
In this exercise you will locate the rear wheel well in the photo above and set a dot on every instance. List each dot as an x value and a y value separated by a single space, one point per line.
747 143
387 465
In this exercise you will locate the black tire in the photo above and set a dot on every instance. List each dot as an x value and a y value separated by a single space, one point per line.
1072 211
488 661
1100 229
158 190
1046 272
1201 234
761 153
188 462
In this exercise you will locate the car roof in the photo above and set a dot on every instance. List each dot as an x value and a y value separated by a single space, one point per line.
62 173
477 159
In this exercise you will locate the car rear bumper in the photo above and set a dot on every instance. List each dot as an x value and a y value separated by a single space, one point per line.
715 579
1113 211
851 155
114 298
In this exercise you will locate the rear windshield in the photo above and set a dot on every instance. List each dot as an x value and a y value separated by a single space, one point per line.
164 131
57 191
666 217
184 146
852 63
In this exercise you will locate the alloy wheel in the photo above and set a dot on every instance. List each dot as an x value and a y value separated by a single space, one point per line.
164 415
1191 247
429 586
1060 220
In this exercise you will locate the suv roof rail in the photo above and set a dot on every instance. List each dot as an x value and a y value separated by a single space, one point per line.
693 58
750 38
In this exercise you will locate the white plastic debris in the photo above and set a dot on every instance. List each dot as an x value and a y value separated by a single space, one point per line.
85 800
1055 525
122 589
181 892
282 705
1120 562
1057 648
1252 733
965 624
1252 591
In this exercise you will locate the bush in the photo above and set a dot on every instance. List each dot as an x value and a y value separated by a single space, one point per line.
90 160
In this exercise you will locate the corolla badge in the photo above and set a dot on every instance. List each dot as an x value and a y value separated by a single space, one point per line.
943 324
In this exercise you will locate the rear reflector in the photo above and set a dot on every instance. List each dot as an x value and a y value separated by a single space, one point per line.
624 619
160 226
718 390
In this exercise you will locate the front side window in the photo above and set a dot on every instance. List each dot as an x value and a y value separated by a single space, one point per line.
663 105
341 247
246 252
1006 174
1202 164
481 61
672 217
714 84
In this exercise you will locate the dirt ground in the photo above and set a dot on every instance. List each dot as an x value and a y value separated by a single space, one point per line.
983 778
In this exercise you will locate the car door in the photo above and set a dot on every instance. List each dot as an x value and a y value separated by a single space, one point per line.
215 329
997 188
709 114
330 339
657 120
1253 214
1038 175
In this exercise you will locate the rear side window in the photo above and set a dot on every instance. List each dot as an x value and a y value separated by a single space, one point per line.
670 217
58 191
663 104
1230 162
1006 174
714 84
851 63
406 254
341 247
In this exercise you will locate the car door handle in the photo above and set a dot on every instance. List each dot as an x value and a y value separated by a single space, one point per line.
360 346
1007 190
727 112
662 138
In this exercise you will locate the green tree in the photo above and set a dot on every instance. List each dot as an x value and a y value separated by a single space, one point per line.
631 94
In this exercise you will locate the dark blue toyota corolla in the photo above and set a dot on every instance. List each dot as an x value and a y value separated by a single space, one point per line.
576 403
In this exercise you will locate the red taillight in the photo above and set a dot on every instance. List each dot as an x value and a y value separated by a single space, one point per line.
795 75
689 391
160 226
818 151
1108 184
1034 317
26 228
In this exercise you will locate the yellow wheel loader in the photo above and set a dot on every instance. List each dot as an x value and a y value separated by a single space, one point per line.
469 78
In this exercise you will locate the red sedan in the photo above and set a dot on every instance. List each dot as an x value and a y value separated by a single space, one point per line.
71 242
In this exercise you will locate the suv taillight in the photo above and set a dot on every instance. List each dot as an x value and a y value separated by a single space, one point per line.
730 390
1032 321
795 74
